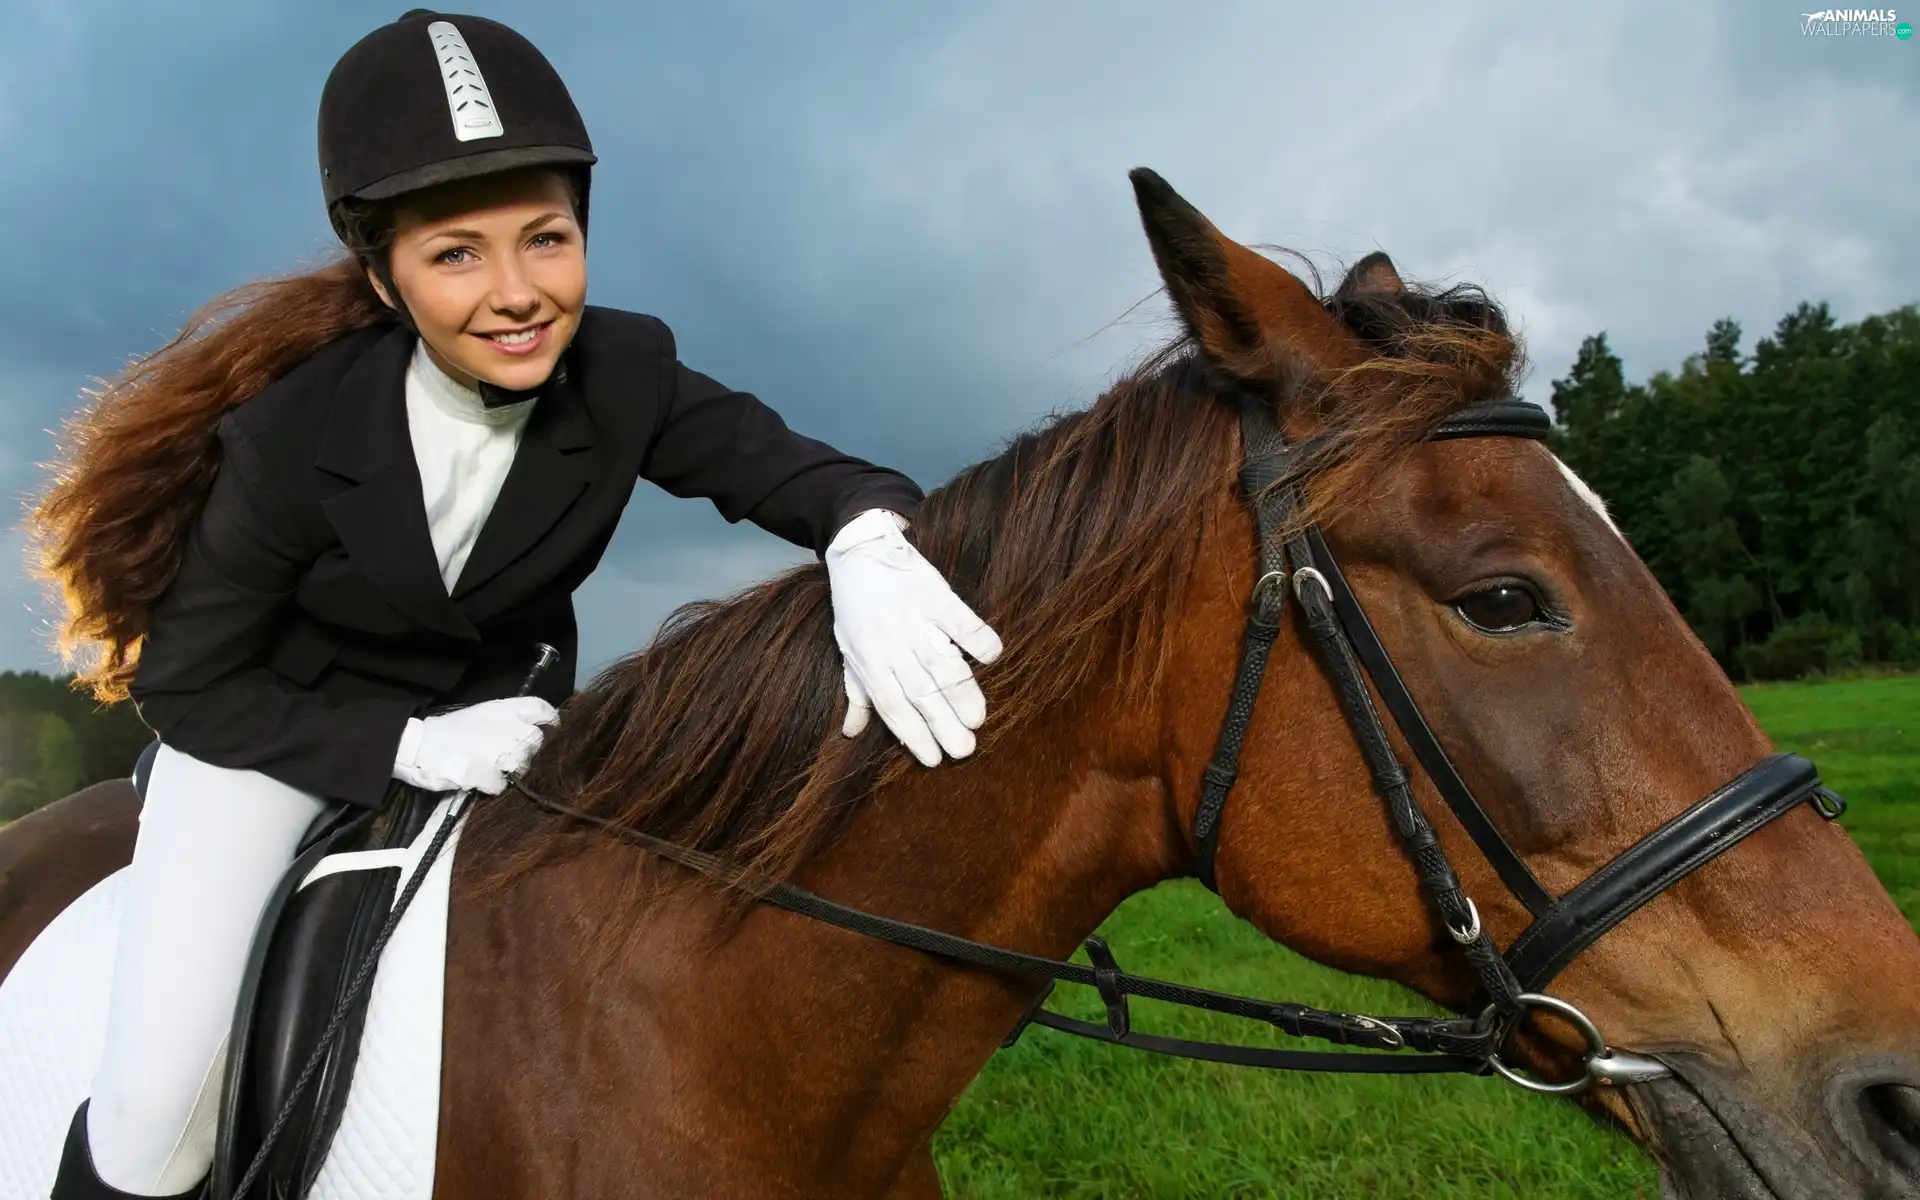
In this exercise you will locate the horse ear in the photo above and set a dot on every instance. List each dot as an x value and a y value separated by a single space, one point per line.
1371 276
1240 306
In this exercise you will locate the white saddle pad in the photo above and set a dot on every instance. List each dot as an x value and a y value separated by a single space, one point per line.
53 1010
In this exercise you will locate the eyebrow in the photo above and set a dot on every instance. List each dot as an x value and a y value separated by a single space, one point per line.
474 235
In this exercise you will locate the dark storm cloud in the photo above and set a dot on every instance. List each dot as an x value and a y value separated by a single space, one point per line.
903 225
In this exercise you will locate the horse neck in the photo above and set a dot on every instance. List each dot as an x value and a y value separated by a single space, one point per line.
861 1047
1030 847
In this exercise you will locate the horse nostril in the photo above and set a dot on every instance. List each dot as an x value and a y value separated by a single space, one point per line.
1892 1118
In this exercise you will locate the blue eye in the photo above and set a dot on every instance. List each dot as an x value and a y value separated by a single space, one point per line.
446 256
555 239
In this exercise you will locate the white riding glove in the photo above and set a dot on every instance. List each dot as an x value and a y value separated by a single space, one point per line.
897 622
472 747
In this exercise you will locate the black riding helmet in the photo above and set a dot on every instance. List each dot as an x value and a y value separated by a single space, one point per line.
436 97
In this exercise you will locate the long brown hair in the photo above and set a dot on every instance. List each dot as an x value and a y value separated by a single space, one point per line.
1074 543
134 466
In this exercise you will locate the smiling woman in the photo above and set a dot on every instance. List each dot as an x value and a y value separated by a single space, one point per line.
317 537
497 294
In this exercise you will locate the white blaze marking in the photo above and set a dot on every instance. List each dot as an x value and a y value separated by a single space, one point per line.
1586 493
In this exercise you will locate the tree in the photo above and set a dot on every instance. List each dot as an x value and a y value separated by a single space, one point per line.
1723 342
1717 592
1806 332
1885 580
18 797
54 741
62 763
1592 391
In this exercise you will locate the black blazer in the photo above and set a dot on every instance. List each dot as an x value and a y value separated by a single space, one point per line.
308 620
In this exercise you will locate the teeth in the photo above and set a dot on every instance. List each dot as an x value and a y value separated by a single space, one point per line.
515 339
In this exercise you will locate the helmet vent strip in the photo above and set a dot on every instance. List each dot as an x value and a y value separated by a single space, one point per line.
469 104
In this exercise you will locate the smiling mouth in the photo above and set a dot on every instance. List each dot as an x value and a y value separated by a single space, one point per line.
516 339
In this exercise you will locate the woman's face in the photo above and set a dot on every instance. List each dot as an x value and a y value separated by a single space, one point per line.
494 273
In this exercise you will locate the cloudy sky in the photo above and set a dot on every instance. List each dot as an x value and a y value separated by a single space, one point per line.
908 226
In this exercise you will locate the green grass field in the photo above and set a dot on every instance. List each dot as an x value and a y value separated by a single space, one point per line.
1058 1116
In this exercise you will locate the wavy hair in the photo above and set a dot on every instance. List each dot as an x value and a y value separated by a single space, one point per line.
134 465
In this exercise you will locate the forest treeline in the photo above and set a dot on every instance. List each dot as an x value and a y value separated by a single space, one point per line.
55 741
1775 494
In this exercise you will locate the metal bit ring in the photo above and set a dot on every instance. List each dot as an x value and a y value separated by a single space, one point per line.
1596 1047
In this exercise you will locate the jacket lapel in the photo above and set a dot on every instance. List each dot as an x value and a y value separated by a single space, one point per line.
553 465
382 522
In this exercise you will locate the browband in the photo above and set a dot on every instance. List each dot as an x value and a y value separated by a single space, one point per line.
1503 417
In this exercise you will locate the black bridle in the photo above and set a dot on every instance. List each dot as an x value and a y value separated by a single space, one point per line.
1301 566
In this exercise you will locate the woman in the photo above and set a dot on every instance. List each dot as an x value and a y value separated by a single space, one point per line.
365 497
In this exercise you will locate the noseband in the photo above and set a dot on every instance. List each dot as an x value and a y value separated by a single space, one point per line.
1301 567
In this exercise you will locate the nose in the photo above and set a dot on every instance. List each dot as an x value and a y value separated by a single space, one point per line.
1886 1118
513 293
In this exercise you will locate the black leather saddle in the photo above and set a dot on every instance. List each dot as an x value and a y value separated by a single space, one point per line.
309 945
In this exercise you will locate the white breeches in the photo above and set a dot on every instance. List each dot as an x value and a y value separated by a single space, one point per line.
213 843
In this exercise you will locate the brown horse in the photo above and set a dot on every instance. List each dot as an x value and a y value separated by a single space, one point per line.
619 1026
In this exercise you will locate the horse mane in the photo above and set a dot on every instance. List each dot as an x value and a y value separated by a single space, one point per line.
1073 543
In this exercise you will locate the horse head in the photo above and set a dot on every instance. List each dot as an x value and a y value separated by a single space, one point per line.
1778 981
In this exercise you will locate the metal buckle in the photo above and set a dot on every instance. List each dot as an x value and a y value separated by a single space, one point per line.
1471 934
1392 1038
1603 1065
1272 579
1302 574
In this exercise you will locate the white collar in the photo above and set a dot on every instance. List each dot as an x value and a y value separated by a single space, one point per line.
454 398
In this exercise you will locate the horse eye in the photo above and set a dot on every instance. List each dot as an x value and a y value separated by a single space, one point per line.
1499 609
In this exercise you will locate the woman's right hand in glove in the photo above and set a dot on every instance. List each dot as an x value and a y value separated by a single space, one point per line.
472 747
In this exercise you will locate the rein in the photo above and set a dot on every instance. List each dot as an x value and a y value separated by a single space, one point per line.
1460 1048
1303 568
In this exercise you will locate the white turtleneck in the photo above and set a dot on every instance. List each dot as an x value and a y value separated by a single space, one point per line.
464 450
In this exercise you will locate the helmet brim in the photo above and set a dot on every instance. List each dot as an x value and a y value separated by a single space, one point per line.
470 166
